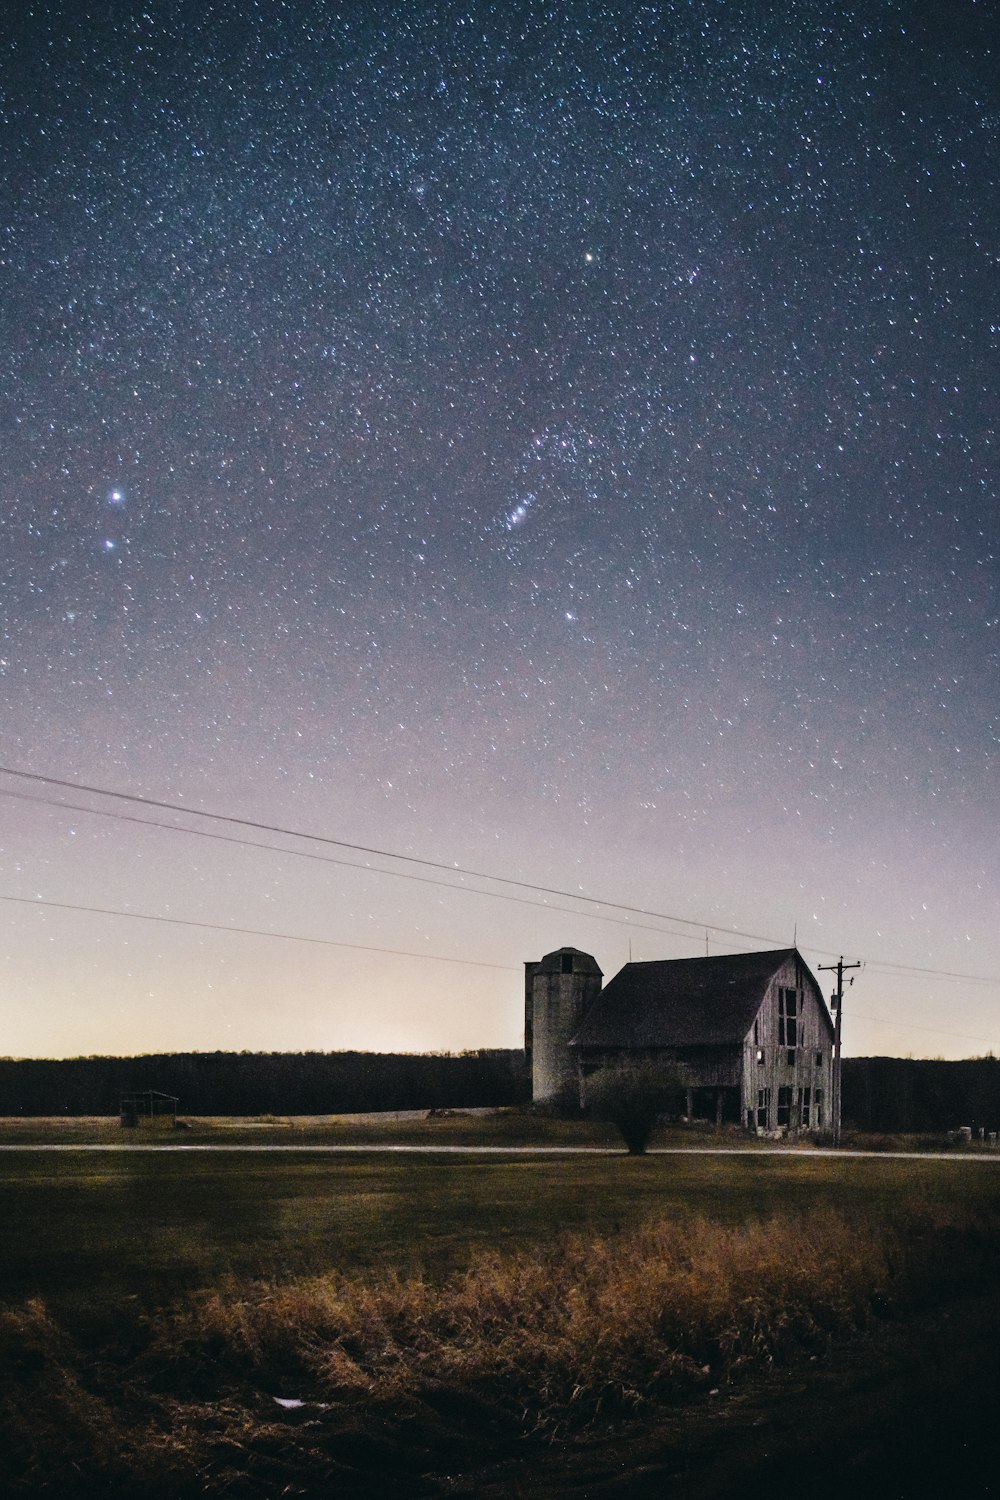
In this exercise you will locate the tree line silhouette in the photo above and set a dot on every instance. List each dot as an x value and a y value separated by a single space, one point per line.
260 1083
913 1095
879 1093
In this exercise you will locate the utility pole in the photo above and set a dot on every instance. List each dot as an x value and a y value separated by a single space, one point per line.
837 1001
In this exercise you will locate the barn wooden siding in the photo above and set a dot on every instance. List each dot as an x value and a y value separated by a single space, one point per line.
789 1087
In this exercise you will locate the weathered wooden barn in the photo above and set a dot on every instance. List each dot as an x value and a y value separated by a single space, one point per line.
749 1033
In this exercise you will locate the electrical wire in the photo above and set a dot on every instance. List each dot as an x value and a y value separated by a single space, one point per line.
294 937
288 937
881 966
857 1015
347 864
413 859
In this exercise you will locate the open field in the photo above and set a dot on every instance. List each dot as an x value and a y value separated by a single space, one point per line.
93 1229
435 1311
410 1127
465 1127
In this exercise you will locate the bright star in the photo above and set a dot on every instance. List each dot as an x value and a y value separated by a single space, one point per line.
519 514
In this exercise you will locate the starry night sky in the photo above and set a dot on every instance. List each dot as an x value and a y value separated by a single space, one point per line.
554 440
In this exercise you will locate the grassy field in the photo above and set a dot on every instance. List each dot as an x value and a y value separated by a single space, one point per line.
413 1127
487 1127
429 1310
92 1229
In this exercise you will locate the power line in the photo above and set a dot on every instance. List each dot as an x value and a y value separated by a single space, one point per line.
452 869
887 967
346 864
288 937
294 937
858 1015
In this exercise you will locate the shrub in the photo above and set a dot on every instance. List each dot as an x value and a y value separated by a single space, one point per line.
632 1097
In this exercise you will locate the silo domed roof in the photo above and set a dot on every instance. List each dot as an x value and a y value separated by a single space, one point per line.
569 961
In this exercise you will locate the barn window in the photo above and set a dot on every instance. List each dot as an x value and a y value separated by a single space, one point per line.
819 1107
787 1018
567 963
805 1101
763 1107
819 1059
784 1106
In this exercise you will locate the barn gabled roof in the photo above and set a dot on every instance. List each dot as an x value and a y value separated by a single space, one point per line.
684 1002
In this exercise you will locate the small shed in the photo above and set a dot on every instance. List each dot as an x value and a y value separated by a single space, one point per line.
149 1109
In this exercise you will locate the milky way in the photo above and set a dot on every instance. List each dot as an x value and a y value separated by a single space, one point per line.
555 440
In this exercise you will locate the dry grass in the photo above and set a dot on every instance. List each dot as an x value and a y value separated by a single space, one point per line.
588 1323
560 1337
430 1312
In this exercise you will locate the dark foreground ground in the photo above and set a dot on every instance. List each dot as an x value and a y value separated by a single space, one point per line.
905 1409
906 1412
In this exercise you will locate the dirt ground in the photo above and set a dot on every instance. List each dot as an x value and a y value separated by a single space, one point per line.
907 1412
904 1412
